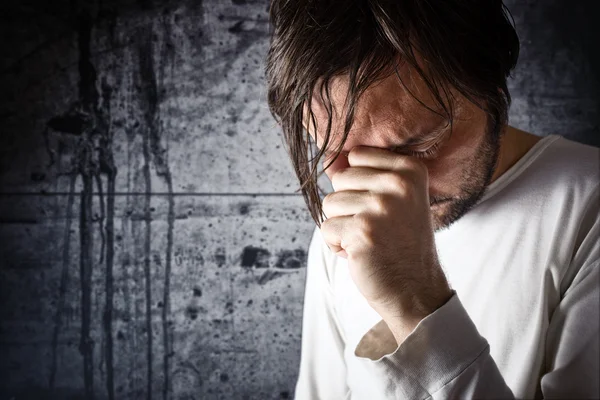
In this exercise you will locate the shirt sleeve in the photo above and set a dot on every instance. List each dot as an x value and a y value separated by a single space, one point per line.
445 357
322 372
573 339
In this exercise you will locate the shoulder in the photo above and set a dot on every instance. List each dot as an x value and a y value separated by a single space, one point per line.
573 174
559 177
573 163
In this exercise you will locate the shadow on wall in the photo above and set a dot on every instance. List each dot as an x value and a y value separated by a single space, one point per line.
556 85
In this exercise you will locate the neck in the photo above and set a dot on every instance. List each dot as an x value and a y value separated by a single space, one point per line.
514 144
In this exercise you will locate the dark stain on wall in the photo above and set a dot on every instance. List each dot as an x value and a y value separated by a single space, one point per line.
148 100
244 209
255 257
64 279
152 88
291 259
88 120
72 123
268 275
220 256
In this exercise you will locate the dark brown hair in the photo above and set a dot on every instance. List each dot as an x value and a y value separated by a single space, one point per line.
468 45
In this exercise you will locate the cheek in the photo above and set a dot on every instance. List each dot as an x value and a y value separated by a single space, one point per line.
446 170
457 155
443 178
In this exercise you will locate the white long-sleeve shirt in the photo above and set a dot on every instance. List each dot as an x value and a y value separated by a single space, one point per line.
524 319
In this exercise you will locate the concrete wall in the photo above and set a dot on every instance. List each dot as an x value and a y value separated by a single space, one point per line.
152 243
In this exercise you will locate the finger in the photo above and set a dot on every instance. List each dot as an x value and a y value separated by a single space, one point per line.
376 157
347 202
341 253
369 179
338 251
333 230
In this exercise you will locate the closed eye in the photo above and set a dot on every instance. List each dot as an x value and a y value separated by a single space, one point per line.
430 152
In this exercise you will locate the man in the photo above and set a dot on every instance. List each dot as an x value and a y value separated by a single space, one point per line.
459 257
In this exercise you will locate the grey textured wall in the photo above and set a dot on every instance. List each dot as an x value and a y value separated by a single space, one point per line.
152 244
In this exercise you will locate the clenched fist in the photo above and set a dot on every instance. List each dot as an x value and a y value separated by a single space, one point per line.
379 219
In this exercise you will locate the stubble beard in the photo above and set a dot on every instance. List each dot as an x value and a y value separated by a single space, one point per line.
475 178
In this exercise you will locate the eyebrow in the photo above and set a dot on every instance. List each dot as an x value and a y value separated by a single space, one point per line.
415 140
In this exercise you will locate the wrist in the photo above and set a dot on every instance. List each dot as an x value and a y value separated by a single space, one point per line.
403 324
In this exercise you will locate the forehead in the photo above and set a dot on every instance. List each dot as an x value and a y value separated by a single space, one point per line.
385 115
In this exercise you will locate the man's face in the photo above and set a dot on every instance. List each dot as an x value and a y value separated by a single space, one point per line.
387 116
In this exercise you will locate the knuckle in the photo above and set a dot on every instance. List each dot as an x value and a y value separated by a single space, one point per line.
329 203
417 176
365 225
355 152
396 181
325 226
381 203
335 178
327 200
416 165
400 163
412 164
361 219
